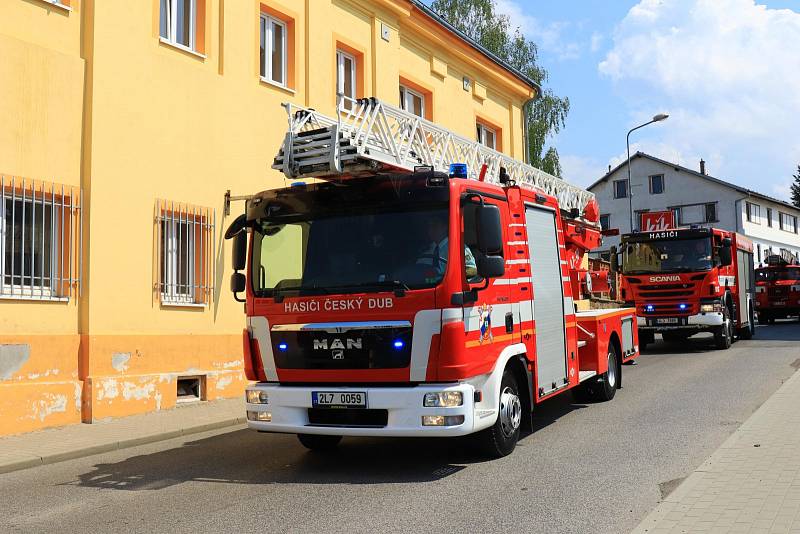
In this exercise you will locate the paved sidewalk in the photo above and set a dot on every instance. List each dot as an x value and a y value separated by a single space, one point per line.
74 441
750 484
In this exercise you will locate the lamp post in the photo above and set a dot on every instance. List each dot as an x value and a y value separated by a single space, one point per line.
658 118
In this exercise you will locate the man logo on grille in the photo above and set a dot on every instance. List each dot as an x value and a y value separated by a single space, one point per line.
337 354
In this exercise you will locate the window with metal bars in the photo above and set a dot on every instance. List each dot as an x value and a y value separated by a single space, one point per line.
40 239
185 246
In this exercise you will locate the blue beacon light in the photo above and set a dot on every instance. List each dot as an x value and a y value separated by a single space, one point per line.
398 344
649 308
283 346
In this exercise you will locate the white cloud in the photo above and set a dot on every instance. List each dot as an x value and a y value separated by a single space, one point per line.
550 38
728 71
596 41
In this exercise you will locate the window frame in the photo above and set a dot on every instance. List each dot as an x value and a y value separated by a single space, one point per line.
481 131
608 221
752 215
769 217
341 55
170 269
614 186
405 92
266 22
663 184
172 24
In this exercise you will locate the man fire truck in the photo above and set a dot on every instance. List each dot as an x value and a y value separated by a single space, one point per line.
778 287
394 299
688 280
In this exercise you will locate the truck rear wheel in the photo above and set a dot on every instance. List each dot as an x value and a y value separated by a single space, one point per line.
501 438
749 331
723 334
318 442
604 387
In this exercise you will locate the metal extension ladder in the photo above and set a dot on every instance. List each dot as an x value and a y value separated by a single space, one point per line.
368 135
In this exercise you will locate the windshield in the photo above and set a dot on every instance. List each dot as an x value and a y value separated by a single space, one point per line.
681 255
771 275
351 252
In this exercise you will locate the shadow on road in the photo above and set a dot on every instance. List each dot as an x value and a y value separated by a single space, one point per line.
246 457
787 330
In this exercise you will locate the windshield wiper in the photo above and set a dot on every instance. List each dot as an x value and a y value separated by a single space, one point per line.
314 288
399 287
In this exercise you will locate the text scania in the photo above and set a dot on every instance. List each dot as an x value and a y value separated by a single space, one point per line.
666 278
357 304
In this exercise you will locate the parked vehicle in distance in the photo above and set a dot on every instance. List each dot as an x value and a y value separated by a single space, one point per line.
778 288
397 300
683 281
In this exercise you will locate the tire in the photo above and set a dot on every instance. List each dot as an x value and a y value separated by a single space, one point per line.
722 333
318 442
501 438
604 387
645 338
750 330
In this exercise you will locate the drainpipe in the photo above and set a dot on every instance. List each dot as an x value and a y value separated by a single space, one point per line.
526 151
736 205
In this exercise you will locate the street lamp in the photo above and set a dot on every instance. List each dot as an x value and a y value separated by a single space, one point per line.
658 118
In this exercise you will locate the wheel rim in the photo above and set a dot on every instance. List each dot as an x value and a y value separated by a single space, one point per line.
510 411
612 370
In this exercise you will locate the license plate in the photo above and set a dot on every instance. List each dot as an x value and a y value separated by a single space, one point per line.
779 303
339 399
667 320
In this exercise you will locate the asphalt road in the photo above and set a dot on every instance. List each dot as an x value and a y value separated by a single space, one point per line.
585 468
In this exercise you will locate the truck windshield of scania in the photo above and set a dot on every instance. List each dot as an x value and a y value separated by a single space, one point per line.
689 280
778 288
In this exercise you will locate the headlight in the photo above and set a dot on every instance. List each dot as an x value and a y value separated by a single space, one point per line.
761 289
711 307
796 288
254 396
443 399
264 417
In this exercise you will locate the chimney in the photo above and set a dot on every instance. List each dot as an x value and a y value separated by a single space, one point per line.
609 168
702 166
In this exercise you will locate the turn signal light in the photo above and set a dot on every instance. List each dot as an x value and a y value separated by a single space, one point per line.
442 420
264 417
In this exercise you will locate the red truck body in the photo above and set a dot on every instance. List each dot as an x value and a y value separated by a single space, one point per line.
777 289
688 280
336 353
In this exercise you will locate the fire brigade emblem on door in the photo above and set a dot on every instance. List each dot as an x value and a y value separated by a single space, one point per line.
485 314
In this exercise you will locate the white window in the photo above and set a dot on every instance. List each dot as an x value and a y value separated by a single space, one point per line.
412 101
186 255
753 212
696 213
620 188
487 136
273 50
179 22
788 222
38 230
346 76
605 222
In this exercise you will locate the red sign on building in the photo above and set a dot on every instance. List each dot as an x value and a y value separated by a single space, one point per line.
654 221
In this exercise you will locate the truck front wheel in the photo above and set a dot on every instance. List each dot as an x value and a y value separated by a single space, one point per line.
317 442
723 334
501 438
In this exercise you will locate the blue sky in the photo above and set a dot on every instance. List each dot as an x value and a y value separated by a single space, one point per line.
727 72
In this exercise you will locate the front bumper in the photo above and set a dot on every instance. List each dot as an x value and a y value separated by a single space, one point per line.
289 408
698 321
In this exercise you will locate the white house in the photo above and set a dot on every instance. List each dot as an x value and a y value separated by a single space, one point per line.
695 198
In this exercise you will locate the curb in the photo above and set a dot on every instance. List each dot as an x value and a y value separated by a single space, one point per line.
35 461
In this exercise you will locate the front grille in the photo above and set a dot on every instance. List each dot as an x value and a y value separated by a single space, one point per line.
647 294
778 291
348 417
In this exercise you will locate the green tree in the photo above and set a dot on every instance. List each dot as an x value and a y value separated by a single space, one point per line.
796 188
480 21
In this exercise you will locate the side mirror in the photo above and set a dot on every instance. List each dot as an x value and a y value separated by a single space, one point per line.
239 251
614 259
491 266
238 282
725 257
490 232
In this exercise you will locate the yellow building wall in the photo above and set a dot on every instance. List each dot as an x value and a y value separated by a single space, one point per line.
134 120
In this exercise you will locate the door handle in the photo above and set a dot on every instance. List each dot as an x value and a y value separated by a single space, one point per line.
509 322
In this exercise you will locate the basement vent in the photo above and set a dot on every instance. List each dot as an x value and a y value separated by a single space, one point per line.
190 388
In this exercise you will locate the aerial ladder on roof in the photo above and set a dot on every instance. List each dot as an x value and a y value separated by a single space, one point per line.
368 136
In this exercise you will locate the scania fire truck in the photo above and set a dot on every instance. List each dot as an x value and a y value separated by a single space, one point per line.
778 287
688 280
400 295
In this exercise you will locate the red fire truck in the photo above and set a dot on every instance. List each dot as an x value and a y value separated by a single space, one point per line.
688 280
778 287
386 300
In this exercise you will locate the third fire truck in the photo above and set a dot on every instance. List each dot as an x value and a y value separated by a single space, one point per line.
683 281
778 287
406 296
